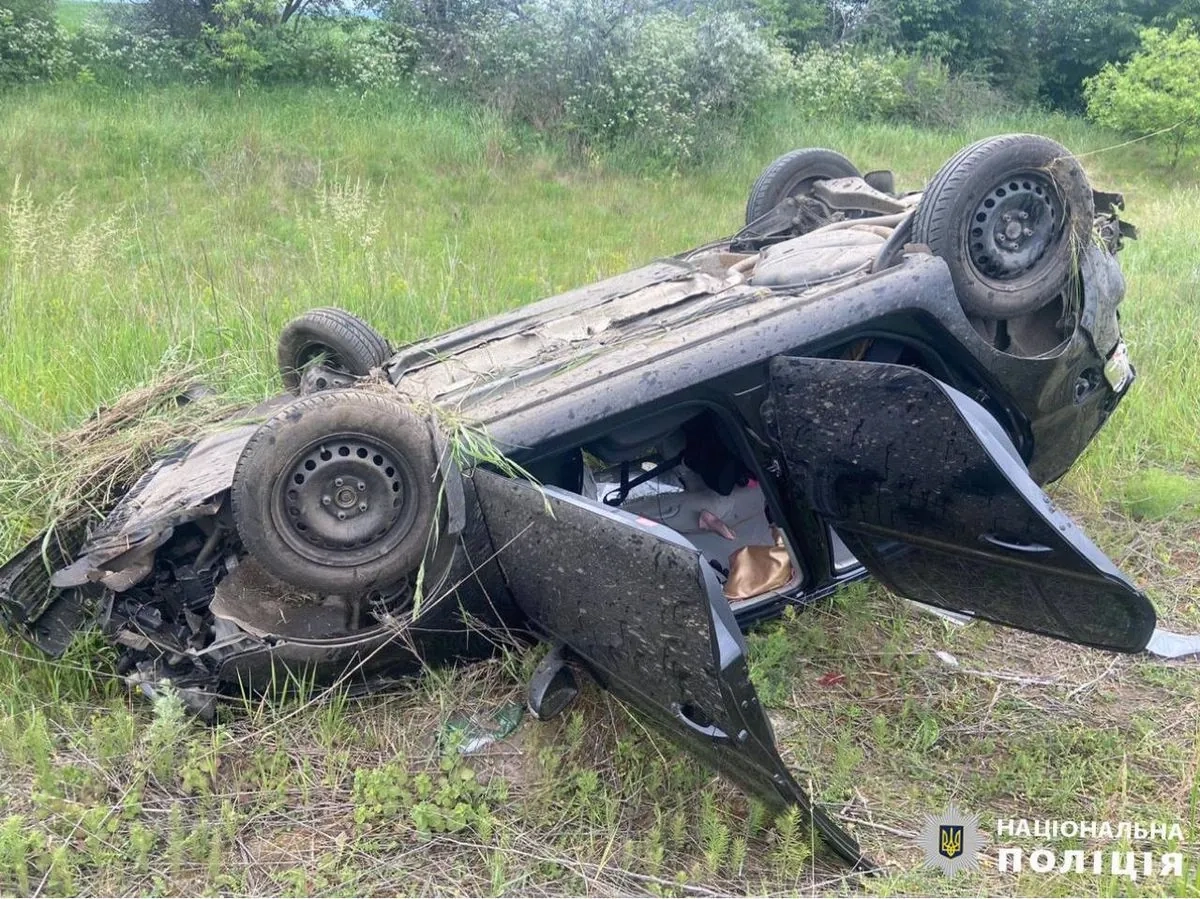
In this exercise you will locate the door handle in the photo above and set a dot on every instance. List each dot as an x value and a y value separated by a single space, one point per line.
685 713
1016 546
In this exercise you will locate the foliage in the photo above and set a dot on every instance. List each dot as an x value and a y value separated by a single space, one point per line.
188 20
112 55
887 86
239 36
182 20
1028 48
357 55
1156 92
603 70
989 38
799 23
31 46
1074 39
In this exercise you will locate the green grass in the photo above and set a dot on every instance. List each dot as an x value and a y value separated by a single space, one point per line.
74 13
163 227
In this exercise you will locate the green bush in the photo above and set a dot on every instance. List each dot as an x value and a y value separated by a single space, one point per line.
601 71
857 84
359 55
31 44
112 55
1156 92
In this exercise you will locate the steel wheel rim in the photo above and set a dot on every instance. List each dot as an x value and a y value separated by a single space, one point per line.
344 500
1014 226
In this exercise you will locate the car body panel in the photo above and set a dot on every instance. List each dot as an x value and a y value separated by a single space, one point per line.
644 612
539 376
931 496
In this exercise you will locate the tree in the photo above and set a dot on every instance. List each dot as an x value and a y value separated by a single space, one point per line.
1156 92
192 20
984 37
1075 39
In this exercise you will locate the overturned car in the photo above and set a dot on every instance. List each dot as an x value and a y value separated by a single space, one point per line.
859 382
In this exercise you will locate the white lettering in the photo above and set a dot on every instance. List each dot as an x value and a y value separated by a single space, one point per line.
1010 860
1041 861
1072 860
1172 864
1124 865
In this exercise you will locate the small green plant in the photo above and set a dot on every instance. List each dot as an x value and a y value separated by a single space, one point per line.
18 845
1156 92
790 847
1153 494
714 834
446 801
165 737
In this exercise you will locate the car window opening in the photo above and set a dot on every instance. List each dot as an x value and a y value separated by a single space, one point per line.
681 470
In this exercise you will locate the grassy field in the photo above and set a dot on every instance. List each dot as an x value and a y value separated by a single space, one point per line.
142 231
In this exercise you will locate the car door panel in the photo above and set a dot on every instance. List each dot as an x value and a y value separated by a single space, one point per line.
928 492
639 606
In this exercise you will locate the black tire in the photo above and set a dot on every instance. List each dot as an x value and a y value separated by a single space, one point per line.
793 174
338 492
347 343
1009 216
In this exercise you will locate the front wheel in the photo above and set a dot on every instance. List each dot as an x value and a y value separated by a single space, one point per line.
338 492
1009 215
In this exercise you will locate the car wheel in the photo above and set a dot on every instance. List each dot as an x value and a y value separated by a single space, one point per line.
1009 215
793 175
338 492
340 341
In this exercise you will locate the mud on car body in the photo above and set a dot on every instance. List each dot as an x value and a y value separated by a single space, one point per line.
860 382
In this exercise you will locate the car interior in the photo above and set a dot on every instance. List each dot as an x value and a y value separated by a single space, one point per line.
681 469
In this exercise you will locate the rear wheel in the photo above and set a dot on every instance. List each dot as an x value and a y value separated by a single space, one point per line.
793 175
1009 215
331 337
337 492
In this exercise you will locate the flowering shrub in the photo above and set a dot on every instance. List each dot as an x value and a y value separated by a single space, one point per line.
839 83
118 56
31 48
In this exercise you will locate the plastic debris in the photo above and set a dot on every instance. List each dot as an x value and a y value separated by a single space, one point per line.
467 734
1169 645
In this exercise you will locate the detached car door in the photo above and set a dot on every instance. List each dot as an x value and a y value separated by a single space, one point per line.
638 605
926 489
